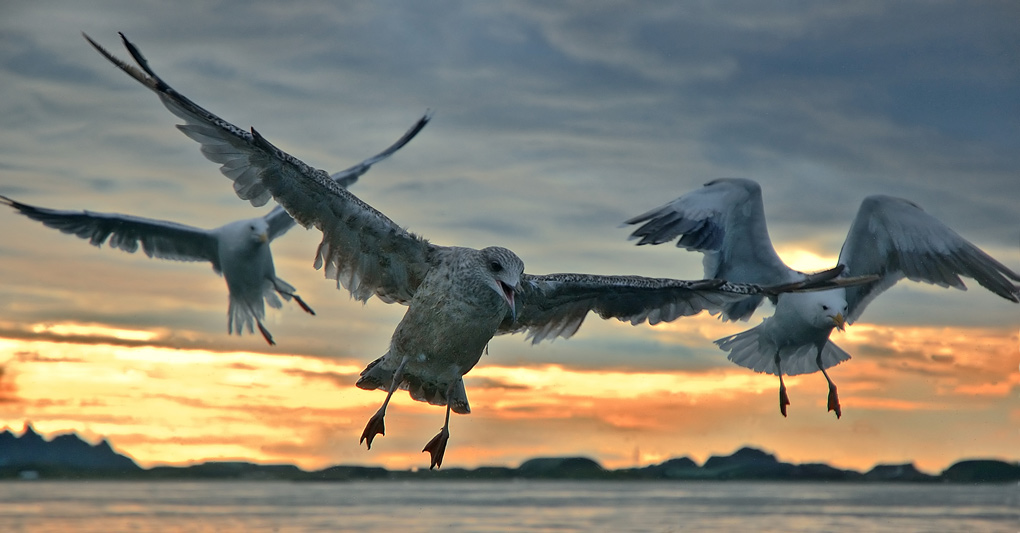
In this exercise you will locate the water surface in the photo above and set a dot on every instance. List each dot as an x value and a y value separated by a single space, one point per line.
406 506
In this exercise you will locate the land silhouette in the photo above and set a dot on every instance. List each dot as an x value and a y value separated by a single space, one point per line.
68 456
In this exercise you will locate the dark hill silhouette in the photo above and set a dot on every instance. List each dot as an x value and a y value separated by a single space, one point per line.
982 471
902 472
68 456
66 451
561 468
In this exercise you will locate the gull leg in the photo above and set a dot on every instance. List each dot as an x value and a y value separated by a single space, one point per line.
437 446
265 332
303 304
833 397
784 400
289 295
296 298
376 425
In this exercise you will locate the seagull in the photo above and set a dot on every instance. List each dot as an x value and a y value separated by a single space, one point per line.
457 298
239 251
890 239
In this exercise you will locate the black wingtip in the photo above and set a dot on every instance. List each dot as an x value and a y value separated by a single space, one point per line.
136 54
260 141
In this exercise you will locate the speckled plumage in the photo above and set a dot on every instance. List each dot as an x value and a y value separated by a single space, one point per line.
449 321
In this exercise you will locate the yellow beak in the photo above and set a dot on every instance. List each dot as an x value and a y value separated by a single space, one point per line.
839 321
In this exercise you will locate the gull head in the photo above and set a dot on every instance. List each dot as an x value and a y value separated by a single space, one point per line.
503 273
258 230
823 309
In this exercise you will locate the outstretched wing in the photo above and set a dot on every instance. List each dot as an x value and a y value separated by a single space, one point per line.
278 219
158 238
279 222
725 220
555 305
895 239
361 248
348 176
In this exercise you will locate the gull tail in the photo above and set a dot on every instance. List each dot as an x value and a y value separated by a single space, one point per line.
752 349
242 316
379 375
376 375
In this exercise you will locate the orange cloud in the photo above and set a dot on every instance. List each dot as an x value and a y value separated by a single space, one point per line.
164 405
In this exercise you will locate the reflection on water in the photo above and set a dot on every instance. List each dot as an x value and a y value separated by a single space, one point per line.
43 506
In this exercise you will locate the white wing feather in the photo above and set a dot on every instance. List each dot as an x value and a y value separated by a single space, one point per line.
895 239
157 238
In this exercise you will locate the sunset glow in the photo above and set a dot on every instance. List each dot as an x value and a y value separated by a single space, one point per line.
552 124
165 405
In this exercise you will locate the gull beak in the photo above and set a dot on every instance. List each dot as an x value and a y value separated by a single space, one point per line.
839 321
263 237
508 295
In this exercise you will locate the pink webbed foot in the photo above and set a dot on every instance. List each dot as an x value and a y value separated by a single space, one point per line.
375 426
303 305
834 401
265 333
437 447
784 400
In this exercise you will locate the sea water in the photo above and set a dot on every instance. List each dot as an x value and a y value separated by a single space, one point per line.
408 506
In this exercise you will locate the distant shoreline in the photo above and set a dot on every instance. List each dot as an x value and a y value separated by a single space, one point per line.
30 457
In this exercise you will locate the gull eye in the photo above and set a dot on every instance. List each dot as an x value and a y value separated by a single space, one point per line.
495 266
825 307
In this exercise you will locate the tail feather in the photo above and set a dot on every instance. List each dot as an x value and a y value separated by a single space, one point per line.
751 349
242 316
376 376
379 375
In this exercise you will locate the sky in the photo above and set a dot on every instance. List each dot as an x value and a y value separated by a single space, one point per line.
553 123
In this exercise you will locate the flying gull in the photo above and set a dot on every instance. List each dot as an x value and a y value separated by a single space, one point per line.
890 238
457 298
239 251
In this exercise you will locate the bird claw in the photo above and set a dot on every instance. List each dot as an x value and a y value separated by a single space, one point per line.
784 400
303 305
265 333
834 402
375 426
437 447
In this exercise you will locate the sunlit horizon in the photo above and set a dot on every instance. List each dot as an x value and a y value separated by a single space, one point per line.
169 406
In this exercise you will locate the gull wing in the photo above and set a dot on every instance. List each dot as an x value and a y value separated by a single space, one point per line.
278 219
279 222
893 239
361 248
348 176
158 238
725 220
555 305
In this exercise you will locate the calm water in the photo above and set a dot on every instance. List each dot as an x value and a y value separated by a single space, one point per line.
504 506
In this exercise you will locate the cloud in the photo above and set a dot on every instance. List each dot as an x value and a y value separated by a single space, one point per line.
553 123
8 387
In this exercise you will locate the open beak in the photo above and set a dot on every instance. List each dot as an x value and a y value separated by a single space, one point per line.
839 321
508 295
